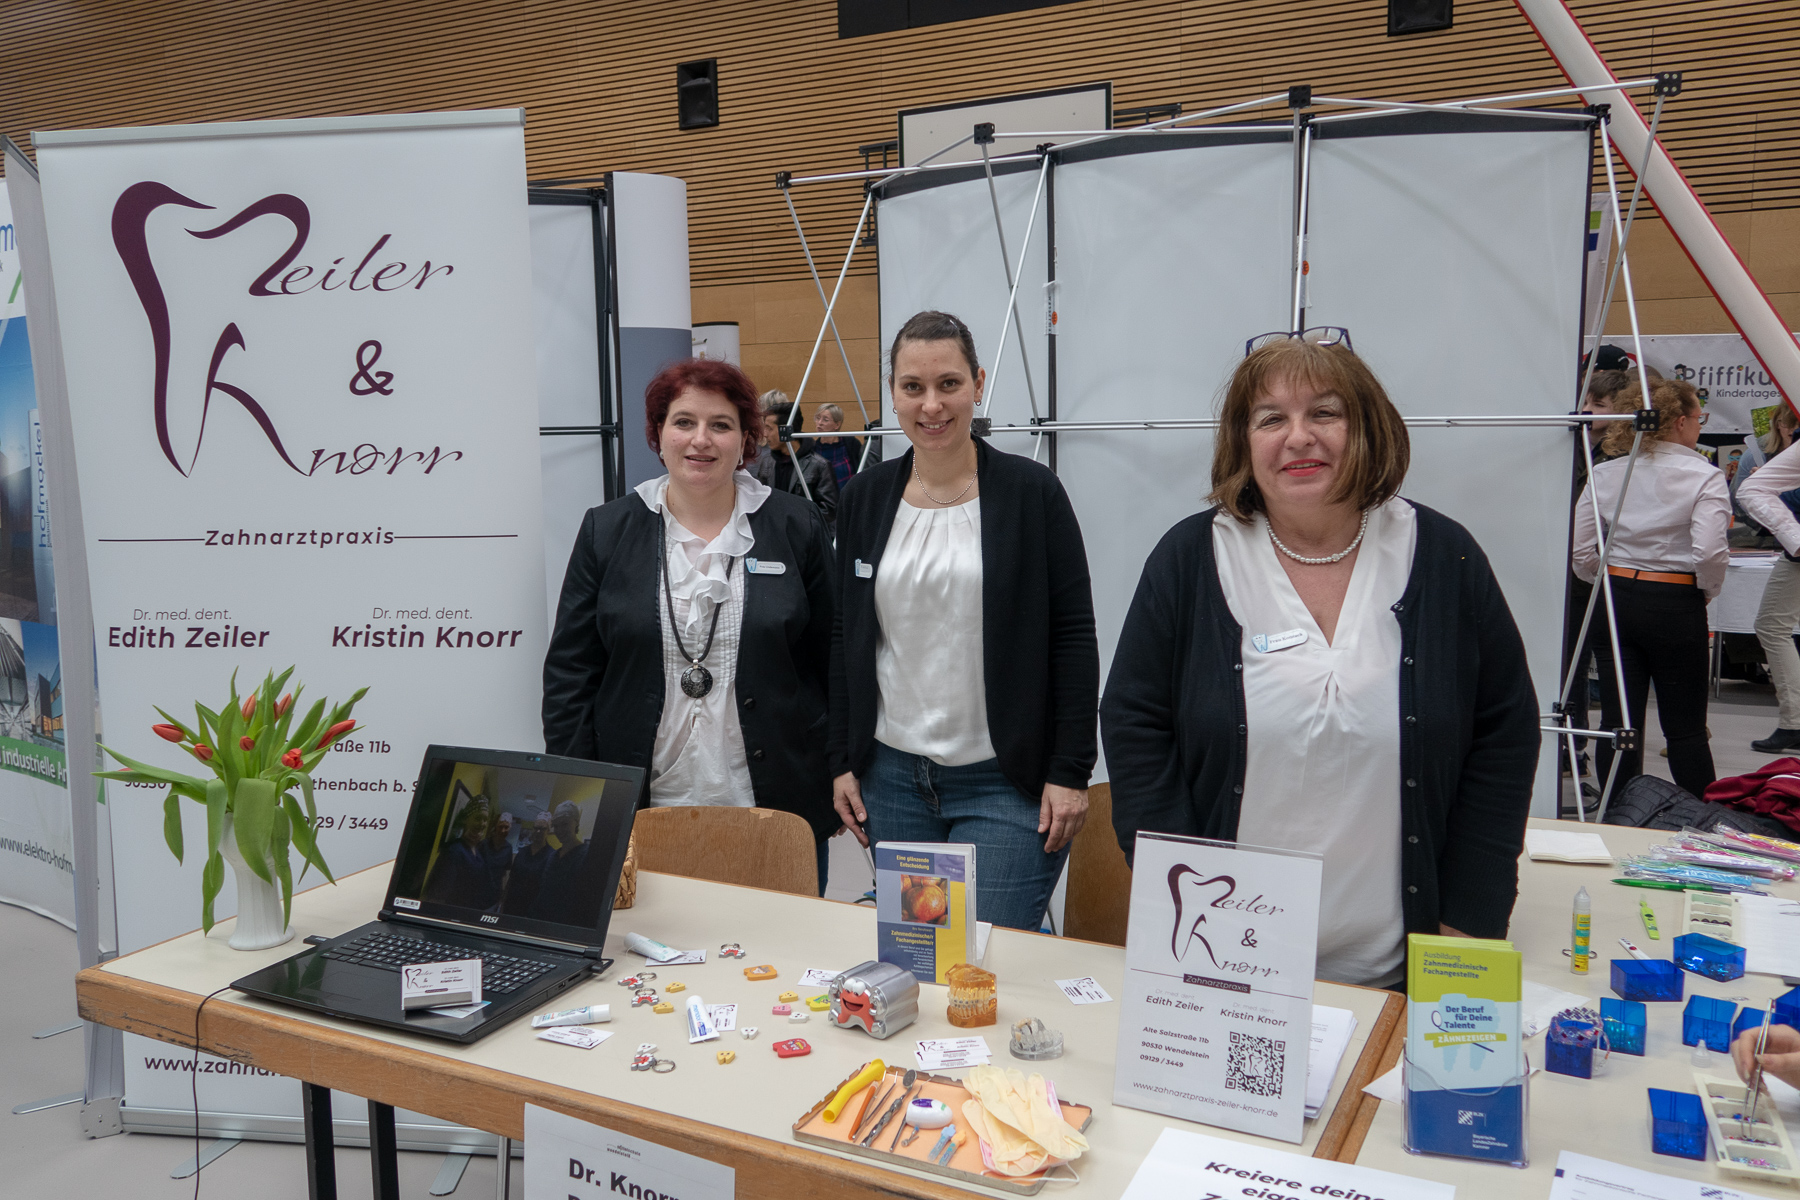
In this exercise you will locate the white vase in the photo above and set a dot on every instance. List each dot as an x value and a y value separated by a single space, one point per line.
259 920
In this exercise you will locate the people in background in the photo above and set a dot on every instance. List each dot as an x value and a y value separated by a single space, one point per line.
497 851
559 889
1666 558
1319 665
528 868
1760 496
965 665
792 468
461 876
670 651
843 453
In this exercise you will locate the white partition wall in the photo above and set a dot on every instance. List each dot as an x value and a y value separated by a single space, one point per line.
1450 245
939 251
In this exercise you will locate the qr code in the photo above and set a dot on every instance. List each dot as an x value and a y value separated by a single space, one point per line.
1255 1064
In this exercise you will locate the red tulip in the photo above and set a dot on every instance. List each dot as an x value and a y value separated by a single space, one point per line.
291 760
249 708
168 733
338 730
247 742
202 751
286 703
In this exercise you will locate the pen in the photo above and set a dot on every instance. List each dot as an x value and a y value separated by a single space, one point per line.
1649 916
1667 885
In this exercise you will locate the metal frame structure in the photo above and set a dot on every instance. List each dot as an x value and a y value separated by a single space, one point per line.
1299 100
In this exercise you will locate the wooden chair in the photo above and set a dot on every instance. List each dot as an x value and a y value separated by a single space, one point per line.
754 847
1099 896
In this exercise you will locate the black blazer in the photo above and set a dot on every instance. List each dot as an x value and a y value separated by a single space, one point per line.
1040 657
1176 740
603 675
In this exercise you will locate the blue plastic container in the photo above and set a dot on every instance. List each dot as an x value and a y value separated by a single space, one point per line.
1708 956
1747 1018
1569 1048
1787 1009
1677 1124
1640 979
1707 1021
1625 1021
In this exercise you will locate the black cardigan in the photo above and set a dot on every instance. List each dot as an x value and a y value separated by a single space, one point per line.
603 675
1040 657
1173 719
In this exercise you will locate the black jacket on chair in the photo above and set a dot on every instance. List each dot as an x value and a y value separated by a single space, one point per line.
1177 743
603 675
1040 657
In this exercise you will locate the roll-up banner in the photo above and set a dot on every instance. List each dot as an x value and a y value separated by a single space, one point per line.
305 418
36 845
650 253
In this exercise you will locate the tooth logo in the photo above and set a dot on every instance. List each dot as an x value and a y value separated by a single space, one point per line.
130 217
1190 898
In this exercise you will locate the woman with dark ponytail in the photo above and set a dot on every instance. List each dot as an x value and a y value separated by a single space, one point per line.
965 669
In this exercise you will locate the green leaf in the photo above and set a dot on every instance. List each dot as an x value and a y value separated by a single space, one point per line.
309 729
211 880
172 822
253 811
218 802
278 854
305 839
306 790
140 771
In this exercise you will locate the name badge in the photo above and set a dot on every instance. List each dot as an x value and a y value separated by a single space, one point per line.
864 570
762 566
1268 643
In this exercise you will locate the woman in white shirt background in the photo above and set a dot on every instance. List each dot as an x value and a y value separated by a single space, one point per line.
1667 558
1316 664
1759 495
965 665
693 635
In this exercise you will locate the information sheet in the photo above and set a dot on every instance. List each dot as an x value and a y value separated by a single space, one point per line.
1216 1018
578 1160
1579 1177
1193 1166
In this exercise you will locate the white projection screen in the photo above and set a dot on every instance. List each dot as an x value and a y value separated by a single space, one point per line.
1450 245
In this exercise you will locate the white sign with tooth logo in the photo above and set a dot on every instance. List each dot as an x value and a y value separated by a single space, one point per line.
1216 1017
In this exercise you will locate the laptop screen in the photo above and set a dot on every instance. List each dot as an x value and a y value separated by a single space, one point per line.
527 843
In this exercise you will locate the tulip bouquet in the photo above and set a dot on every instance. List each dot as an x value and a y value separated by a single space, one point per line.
258 755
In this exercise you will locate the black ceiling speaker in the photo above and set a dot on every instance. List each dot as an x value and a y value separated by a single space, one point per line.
1418 16
697 93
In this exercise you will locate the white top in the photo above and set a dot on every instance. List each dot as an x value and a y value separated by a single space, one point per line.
1677 510
1760 495
931 688
1323 772
699 753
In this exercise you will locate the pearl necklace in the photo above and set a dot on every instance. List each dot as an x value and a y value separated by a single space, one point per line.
1329 558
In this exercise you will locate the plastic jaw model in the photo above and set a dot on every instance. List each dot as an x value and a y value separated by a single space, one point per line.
877 997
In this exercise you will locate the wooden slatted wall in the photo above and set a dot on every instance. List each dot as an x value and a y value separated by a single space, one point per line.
598 82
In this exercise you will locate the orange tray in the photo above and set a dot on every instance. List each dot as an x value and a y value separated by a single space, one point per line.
964 1166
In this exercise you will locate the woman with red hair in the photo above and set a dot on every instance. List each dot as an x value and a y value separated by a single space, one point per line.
693 636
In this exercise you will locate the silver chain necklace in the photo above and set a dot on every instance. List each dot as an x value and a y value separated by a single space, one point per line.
1329 558
920 480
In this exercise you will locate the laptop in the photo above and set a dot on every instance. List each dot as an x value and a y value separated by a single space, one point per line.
509 857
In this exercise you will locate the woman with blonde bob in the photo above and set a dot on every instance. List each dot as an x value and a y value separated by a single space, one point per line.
1318 665
1667 559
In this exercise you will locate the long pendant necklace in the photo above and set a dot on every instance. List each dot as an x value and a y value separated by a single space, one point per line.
696 681
920 480
1329 558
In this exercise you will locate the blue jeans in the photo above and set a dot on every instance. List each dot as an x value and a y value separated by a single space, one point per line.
912 799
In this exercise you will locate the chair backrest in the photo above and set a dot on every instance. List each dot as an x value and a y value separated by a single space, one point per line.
1099 896
754 847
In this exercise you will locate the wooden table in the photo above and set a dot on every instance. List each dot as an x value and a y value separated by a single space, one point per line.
739 1115
1607 1116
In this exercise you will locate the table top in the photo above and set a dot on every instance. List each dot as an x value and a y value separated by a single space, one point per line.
1607 1116
701 1107
1733 610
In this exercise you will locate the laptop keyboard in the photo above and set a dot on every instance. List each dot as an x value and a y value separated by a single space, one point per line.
500 973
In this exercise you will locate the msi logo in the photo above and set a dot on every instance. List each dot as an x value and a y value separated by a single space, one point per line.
490 919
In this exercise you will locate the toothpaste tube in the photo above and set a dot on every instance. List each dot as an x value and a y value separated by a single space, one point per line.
650 948
591 1015
699 1018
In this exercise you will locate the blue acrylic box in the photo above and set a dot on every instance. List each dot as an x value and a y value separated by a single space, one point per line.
1787 1009
1706 1021
1638 979
1747 1018
1569 1047
1706 955
1677 1124
1625 1021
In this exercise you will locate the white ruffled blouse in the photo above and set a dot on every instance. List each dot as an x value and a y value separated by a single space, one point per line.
699 753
